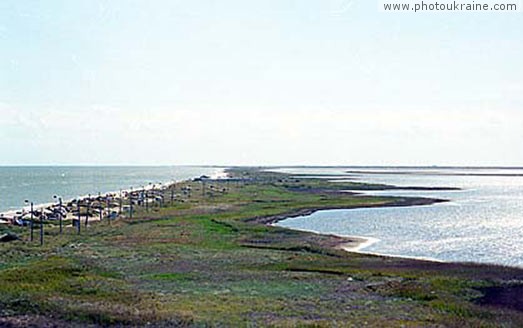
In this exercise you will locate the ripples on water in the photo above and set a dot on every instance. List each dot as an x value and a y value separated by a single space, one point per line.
482 223
39 184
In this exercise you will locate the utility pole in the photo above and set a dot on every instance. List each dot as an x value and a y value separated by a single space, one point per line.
131 204
108 209
32 222
31 225
60 212
87 212
100 208
100 205
78 226
146 200
121 202
41 227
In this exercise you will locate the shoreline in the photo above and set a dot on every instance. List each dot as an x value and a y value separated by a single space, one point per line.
404 202
353 244
207 251
221 173
356 244
358 249
347 243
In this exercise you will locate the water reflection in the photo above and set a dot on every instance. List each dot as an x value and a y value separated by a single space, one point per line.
482 223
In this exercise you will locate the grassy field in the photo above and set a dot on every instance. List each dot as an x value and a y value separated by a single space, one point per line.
210 261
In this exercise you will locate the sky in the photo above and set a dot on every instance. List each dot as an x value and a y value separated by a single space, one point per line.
245 82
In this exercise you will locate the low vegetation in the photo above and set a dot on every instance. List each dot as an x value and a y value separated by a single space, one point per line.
209 259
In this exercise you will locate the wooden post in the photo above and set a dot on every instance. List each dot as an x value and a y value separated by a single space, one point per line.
60 209
78 225
121 202
32 222
131 204
88 209
146 200
108 210
41 227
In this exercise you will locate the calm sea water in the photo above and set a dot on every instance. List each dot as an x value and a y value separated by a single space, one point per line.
39 184
482 223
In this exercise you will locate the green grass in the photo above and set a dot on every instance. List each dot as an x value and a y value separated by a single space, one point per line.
205 262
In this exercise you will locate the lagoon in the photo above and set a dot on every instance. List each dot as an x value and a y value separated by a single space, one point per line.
482 222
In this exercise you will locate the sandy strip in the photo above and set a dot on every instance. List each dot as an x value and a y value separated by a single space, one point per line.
219 174
359 243
368 241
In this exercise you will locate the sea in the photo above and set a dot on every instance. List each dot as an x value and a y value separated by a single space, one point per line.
482 222
38 184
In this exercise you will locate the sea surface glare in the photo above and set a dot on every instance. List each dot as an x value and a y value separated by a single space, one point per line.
483 222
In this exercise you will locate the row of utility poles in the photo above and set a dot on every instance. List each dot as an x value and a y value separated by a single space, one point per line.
31 223
140 197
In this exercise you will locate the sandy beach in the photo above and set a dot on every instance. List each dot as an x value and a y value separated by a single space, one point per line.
220 247
8 216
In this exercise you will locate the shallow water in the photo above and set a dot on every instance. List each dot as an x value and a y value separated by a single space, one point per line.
482 223
39 184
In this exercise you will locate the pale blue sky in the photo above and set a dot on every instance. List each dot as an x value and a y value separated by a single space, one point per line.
257 82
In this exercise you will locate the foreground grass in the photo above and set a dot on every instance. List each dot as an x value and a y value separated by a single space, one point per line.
208 262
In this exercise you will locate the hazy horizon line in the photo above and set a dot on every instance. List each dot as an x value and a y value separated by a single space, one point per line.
269 166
